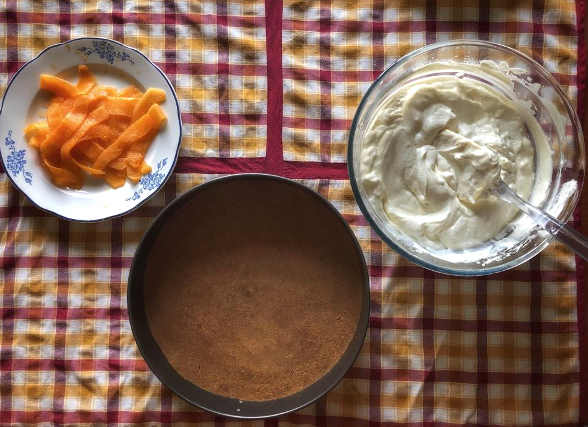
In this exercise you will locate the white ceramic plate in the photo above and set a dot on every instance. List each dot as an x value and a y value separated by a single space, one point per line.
113 64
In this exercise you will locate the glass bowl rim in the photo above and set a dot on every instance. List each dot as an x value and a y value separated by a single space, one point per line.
572 114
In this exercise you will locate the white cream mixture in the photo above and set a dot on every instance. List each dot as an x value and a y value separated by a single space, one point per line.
433 150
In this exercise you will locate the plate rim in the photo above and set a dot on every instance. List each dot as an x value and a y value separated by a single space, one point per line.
177 151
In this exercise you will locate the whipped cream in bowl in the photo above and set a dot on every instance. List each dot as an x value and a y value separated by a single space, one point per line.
438 129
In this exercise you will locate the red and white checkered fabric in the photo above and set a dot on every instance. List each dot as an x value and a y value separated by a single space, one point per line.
272 87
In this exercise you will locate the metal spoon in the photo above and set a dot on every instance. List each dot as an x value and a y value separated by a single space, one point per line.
565 234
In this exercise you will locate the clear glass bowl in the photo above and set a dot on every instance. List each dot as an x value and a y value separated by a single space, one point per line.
529 83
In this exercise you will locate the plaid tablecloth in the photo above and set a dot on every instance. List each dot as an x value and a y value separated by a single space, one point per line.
272 87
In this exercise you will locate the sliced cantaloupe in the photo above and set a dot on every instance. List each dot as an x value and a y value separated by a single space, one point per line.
51 145
150 97
115 178
120 106
96 130
58 86
86 81
57 110
36 133
130 92
153 119
97 116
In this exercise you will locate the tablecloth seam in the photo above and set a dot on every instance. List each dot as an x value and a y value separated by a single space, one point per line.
223 67
275 104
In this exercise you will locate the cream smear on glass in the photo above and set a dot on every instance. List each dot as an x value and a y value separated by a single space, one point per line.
434 148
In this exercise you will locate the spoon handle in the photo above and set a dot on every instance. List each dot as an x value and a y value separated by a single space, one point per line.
562 232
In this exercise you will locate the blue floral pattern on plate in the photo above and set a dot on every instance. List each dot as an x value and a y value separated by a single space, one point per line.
16 161
150 182
107 51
